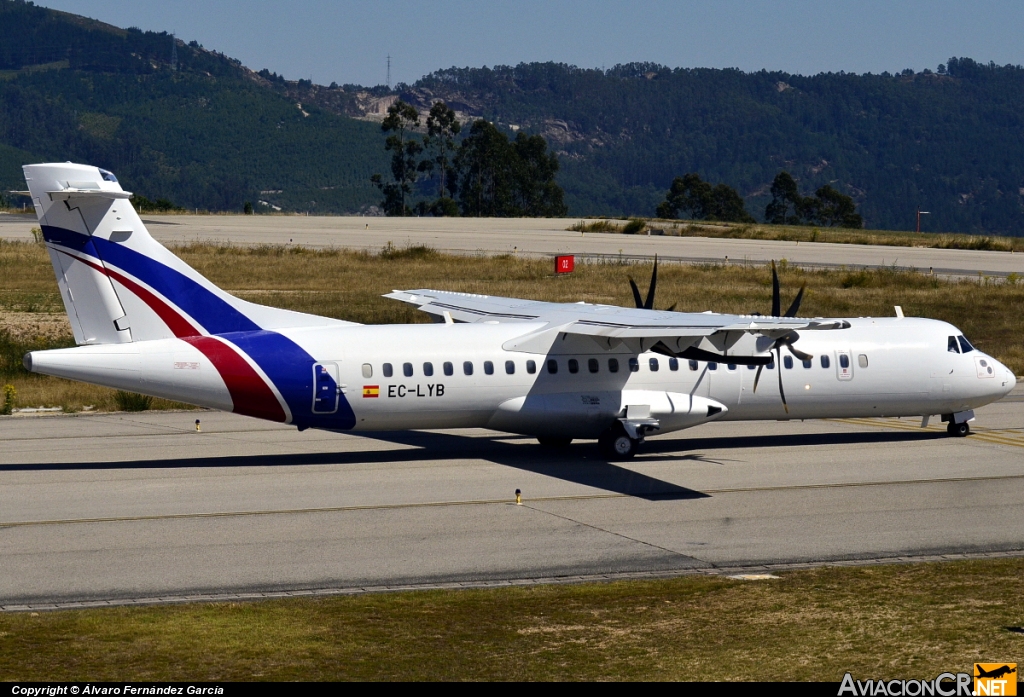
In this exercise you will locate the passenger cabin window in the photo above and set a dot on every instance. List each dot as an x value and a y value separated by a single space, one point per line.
693 364
673 364
593 365
825 362
428 369
367 370
965 345
552 366
467 367
952 346
531 367
808 363
634 365
407 369
449 369
771 364
488 368
712 366
574 366
731 366
387 370
751 367
613 365
844 360
654 365
510 367
788 362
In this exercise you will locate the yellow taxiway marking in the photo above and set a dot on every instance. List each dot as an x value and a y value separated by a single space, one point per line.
999 436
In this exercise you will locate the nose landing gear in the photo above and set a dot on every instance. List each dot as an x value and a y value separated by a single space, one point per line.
956 424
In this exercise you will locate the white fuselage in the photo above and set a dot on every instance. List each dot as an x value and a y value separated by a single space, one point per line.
877 367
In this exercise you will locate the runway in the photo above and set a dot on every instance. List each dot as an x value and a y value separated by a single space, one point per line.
542 237
113 508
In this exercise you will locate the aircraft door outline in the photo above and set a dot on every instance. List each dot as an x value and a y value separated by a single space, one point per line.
844 365
326 389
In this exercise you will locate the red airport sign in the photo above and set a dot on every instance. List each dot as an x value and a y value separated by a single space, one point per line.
565 263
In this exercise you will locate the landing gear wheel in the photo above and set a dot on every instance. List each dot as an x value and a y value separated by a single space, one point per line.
554 441
958 430
615 444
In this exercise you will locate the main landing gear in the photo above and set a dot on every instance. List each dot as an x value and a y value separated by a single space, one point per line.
616 444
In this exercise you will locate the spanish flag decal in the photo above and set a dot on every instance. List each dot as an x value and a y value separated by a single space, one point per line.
371 391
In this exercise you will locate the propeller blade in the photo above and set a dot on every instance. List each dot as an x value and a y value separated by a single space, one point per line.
671 307
782 392
757 376
795 307
799 354
776 297
649 302
636 294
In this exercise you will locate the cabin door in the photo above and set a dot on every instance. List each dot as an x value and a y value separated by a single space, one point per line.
844 366
325 388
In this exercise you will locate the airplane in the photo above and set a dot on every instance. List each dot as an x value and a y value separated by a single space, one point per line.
146 322
994 673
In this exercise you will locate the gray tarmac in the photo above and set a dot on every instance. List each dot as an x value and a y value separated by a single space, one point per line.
540 237
114 508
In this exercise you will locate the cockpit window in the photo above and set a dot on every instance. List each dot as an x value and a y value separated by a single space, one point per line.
952 346
108 176
965 345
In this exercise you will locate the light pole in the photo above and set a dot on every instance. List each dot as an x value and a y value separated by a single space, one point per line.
919 214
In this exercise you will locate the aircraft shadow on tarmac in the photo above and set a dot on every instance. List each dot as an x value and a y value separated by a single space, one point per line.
580 464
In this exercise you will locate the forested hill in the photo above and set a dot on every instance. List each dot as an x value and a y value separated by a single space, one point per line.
949 141
206 131
203 131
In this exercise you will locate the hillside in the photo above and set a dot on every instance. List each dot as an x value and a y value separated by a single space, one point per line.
208 132
950 143
205 132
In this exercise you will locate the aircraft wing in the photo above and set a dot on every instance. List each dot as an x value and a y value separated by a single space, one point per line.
700 335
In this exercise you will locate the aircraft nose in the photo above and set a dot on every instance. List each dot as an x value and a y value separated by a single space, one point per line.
1009 381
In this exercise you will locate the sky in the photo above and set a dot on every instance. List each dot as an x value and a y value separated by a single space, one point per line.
349 42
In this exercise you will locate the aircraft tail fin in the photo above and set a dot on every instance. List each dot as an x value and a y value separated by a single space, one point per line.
118 283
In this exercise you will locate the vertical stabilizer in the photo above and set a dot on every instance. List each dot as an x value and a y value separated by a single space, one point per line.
120 285
80 202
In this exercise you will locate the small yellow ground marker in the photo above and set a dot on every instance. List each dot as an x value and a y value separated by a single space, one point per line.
197 426
519 497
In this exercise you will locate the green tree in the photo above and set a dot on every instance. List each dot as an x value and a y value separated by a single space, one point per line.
486 161
442 129
727 205
404 150
696 198
833 209
502 178
689 195
536 192
785 197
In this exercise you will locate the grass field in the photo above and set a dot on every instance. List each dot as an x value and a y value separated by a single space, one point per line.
803 233
348 285
901 621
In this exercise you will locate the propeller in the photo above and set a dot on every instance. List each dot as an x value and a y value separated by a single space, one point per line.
789 339
648 302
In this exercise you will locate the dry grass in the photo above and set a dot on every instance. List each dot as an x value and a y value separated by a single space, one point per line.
911 621
806 233
349 285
